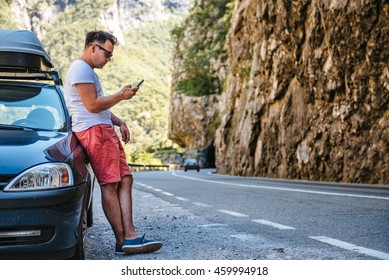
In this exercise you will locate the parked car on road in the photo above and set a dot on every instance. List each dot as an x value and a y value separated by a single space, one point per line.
46 183
191 163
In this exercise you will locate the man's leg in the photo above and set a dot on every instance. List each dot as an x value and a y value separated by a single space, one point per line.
132 243
125 198
111 207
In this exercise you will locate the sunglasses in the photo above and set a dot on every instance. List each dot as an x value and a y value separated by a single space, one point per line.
108 54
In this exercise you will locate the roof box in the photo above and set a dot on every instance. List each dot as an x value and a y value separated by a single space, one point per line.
22 49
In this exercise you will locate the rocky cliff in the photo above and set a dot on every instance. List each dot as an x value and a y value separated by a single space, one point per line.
307 92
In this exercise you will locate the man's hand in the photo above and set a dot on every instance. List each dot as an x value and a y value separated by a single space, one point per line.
128 92
125 132
126 135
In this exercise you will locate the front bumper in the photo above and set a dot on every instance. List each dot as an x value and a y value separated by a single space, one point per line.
40 225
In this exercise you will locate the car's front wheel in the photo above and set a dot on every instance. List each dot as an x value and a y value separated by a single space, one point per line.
89 221
80 253
81 234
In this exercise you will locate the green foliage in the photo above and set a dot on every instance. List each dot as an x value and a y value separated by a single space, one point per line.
147 158
170 150
200 76
244 71
146 54
199 85
215 125
6 22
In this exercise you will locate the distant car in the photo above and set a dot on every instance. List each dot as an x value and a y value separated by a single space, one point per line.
46 183
191 163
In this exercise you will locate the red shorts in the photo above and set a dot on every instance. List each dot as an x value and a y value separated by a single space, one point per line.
105 152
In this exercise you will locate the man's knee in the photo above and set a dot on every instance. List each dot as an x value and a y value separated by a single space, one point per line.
110 187
127 181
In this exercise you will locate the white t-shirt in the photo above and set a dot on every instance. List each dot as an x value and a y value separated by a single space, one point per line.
81 73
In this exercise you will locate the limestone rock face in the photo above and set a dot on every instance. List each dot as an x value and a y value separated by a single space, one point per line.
192 120
308 91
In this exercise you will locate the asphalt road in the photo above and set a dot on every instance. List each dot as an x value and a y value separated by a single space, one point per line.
202 215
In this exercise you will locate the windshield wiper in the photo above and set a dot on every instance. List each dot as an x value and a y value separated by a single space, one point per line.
19 127
11 127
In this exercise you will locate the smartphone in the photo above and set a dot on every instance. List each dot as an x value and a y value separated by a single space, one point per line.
138 84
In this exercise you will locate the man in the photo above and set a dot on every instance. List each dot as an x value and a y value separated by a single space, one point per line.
93 123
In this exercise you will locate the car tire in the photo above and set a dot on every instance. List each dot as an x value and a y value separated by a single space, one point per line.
81 235
80 252
89 221
186 170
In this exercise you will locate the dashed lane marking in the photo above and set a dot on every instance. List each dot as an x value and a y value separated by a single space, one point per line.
168 193
144 185
201 204
182 198
231 213
352 247
275 225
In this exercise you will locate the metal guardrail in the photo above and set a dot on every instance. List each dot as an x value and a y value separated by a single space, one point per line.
153 167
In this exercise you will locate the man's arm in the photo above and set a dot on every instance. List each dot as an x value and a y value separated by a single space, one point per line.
95 104
123 128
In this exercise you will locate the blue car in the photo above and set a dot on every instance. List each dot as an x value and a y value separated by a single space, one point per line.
191 163
46 183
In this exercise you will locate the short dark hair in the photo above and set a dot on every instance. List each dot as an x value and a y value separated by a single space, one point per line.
101 37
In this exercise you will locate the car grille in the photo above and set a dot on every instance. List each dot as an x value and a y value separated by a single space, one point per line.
5 179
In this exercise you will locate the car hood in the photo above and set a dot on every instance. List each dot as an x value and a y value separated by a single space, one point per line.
20 150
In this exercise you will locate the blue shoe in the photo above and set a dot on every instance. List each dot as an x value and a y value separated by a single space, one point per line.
119 250
141 245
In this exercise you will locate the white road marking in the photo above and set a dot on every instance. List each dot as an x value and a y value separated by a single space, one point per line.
181 198
275 225
144 185
231 213
157 190
201 204
168 194
283 189
352 247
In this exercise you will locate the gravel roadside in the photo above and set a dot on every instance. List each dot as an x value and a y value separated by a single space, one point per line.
185 236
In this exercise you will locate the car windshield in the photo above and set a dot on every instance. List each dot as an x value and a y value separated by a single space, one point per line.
38 108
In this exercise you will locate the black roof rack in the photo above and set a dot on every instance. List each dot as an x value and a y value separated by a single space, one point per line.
22 49
30 75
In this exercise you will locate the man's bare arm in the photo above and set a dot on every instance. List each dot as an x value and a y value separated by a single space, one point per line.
95 104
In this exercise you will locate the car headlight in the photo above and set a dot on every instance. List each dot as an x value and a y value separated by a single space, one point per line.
42 177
